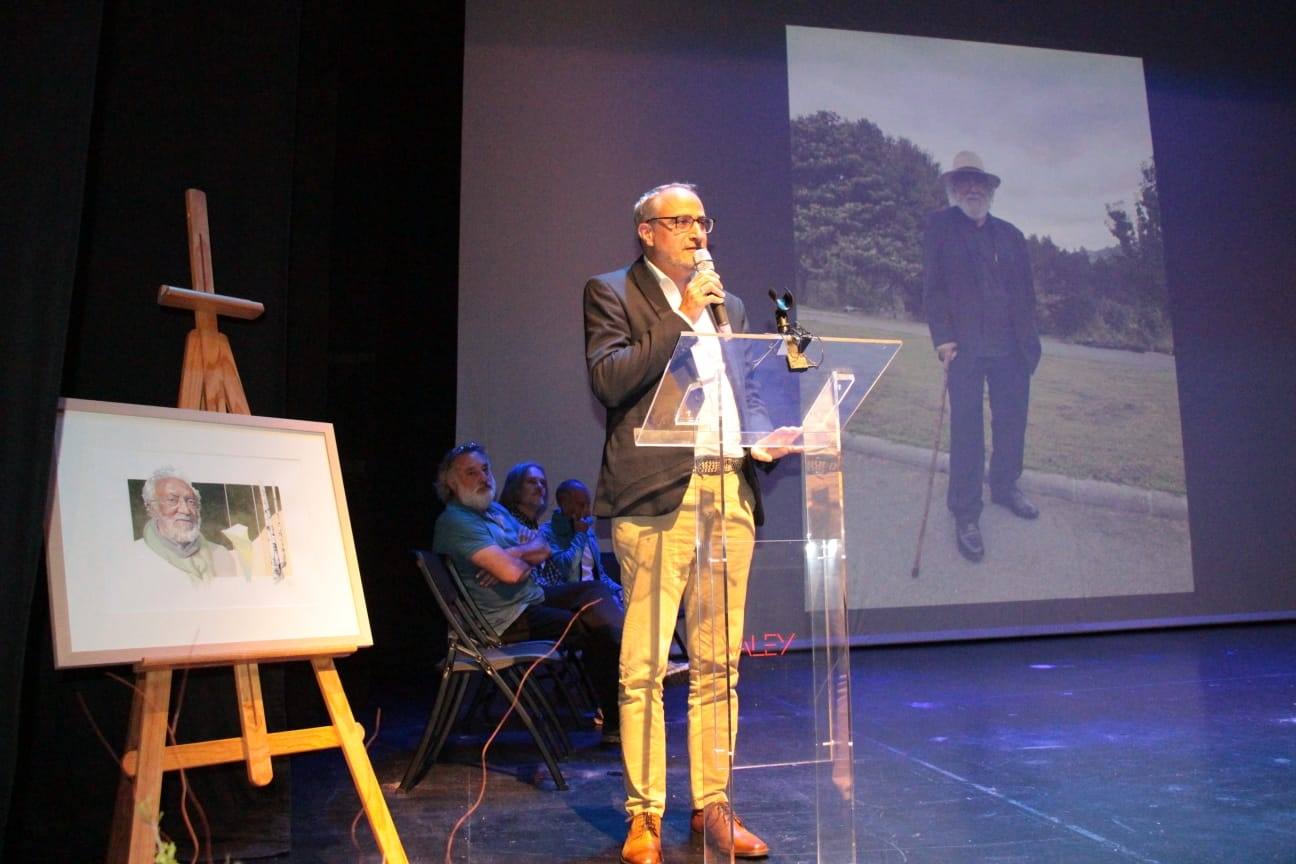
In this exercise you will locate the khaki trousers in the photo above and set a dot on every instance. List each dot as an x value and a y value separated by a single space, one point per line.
666 559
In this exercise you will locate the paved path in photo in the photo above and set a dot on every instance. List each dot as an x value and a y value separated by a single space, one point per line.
1098 542
1092 539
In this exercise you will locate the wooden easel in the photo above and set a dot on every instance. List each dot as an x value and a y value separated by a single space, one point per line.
209 381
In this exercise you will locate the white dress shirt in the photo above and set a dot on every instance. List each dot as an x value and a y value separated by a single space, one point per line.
709 360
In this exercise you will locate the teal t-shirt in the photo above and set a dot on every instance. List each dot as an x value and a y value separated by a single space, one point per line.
460 533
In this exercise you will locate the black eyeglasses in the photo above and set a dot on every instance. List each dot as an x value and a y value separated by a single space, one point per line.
681 224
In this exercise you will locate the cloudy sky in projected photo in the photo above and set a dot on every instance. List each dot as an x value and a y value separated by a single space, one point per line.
1066 131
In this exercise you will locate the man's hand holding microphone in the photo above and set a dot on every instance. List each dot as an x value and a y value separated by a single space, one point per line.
703 290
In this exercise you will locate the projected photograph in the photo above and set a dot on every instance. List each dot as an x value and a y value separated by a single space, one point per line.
998 203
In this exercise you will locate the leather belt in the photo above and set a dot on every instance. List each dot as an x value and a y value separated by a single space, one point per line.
709 466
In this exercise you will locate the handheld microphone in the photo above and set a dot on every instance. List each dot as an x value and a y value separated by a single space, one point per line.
702 261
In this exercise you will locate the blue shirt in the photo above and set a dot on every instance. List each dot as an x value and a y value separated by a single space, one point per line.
567 552
460 533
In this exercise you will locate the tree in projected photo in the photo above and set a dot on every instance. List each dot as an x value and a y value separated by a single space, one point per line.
861 198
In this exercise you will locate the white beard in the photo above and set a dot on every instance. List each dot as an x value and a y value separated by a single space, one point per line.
976 212
178 532
479 501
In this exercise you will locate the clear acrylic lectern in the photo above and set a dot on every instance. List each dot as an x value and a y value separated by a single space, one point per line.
724 396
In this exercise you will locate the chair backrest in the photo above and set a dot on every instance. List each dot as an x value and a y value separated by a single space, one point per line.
465 622
471 612
611 566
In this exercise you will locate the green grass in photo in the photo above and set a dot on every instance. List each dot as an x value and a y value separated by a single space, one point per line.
1089 419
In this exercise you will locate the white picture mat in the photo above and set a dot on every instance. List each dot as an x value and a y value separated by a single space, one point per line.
100 612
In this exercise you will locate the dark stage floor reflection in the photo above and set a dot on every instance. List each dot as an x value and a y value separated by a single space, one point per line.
1166 746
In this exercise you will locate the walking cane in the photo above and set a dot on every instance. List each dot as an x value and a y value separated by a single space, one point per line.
931 474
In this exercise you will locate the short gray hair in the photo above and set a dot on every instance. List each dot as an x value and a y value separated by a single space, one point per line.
641 206
149 492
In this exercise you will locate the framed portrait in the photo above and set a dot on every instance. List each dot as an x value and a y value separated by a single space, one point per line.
179 536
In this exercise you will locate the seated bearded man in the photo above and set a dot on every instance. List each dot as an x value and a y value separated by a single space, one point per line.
496 558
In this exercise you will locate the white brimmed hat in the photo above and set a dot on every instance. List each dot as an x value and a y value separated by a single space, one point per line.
967 162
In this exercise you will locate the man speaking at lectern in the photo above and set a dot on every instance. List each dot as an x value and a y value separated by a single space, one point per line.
633 320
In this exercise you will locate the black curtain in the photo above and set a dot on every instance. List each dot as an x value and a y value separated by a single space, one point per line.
326 137
179 99
47 64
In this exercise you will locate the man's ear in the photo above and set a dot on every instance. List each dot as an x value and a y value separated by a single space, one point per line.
645 234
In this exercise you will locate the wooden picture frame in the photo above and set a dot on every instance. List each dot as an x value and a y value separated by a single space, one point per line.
254 559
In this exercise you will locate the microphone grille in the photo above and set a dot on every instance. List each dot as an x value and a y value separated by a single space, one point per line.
702 260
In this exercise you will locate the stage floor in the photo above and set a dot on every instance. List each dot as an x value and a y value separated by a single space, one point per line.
1167 746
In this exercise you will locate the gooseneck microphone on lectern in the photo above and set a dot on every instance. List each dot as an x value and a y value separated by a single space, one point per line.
702 261
782 312
796 339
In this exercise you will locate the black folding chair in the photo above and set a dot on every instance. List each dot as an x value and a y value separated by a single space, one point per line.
473 649
485 635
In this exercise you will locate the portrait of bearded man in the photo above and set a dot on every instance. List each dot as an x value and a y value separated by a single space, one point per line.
173 531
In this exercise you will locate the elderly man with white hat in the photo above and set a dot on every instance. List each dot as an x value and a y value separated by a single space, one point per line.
980 302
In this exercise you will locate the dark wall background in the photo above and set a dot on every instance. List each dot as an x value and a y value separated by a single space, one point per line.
327 138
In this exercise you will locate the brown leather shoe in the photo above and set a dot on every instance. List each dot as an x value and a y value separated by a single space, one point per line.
643 840
716 818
